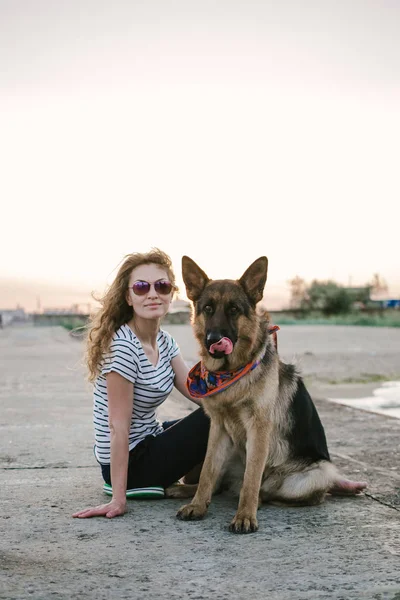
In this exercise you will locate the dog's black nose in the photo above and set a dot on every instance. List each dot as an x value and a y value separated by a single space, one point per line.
213 337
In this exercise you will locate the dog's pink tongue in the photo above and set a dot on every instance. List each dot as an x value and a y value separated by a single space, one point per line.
224 345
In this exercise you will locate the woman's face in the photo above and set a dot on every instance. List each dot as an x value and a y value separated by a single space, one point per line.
152 304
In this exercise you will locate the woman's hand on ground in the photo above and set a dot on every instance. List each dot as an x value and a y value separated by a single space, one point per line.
112 509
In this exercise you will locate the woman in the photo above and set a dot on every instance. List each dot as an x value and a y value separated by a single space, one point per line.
134 366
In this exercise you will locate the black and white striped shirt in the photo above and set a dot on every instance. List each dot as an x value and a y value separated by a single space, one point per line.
152 385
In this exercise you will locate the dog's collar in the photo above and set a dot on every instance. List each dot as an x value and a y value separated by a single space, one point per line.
202 383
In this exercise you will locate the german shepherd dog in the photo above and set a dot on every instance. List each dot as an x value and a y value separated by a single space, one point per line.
266 438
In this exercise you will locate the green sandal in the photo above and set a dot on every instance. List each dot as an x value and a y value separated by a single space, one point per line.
145 492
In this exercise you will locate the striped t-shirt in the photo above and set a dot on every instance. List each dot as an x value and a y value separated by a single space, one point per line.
151 386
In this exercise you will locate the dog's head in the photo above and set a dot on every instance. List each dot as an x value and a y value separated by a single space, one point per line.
225 320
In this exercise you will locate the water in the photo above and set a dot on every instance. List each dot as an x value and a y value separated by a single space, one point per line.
385 400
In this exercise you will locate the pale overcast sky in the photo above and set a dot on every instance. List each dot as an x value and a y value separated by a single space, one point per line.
221 130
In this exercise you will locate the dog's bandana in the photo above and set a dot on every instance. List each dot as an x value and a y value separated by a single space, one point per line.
202 383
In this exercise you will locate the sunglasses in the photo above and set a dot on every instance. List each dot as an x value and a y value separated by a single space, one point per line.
163 287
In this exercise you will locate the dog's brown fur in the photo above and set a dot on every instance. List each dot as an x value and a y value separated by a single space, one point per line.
253 429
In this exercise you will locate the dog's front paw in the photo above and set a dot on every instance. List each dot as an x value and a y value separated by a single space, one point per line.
191 512
243 524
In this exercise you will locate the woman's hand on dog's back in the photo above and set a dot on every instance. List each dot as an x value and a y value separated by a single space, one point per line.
114 508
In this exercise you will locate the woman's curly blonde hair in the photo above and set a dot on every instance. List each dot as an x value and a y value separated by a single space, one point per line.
115 310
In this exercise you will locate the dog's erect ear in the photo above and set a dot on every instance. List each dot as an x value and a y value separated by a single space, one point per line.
194 278
253 280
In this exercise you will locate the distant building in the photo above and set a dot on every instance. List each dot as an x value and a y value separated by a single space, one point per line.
179 305
8 316
179 312
392 303
72 310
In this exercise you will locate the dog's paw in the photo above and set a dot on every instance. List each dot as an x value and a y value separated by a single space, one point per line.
181 490
191 512
243 524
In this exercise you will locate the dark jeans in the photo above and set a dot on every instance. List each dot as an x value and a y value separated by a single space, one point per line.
163 459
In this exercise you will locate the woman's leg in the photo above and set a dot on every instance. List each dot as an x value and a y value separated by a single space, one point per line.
162 460
170 455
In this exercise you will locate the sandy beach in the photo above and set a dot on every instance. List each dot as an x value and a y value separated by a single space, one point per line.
345 549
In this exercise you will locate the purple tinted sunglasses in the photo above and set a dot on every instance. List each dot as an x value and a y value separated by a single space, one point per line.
162 286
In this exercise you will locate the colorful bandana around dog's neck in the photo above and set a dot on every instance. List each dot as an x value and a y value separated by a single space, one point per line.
202 383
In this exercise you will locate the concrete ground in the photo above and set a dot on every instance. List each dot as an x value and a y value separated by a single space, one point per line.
348 548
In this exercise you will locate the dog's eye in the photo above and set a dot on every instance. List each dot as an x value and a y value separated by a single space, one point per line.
233 310
208 309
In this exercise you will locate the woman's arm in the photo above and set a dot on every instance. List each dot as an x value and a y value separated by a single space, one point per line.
181 371
120 404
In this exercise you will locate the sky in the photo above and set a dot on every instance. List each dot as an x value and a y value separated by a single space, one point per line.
220 130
